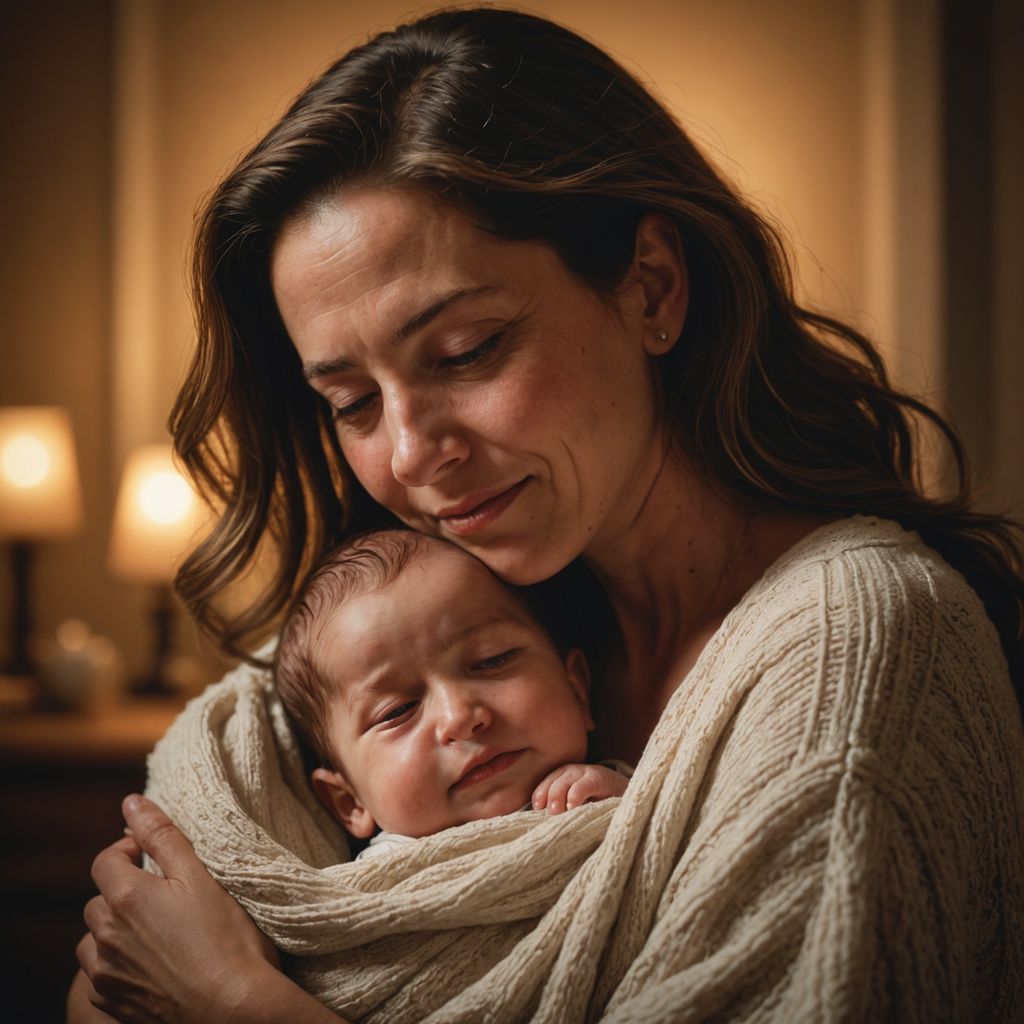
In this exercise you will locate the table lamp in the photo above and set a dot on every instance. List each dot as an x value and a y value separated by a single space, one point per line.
40 501
155 520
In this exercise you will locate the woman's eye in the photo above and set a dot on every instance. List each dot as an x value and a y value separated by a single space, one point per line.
473 355
495 661
398 713
352 409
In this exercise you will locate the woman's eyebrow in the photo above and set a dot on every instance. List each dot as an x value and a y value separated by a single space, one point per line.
421 319
326 367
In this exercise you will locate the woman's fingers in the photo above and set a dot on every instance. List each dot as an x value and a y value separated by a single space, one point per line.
167 948
85 953
95 914
157 835
84 1003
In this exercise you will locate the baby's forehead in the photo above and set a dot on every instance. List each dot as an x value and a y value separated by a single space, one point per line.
401 631
421 582
434 563
447 585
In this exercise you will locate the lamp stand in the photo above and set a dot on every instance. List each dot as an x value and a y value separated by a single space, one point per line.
20 662
156 682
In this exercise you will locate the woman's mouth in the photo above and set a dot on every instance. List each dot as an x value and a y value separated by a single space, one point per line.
466 520
487 769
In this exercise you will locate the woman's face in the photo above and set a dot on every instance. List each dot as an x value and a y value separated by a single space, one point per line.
480 391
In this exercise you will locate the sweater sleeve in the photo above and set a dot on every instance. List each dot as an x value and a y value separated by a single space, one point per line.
854 852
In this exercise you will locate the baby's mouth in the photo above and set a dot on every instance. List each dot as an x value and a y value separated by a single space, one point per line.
479 770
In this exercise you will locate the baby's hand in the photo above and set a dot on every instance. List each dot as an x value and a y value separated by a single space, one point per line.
575 784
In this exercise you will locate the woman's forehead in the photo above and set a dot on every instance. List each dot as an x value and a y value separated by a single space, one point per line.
375 231
391 254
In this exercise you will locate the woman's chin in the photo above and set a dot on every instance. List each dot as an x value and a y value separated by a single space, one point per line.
520 565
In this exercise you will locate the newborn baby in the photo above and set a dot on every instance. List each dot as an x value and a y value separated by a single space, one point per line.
432 694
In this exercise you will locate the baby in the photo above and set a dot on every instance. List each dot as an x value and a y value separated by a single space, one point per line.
431 693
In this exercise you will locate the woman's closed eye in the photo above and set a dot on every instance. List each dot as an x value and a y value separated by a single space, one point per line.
352 410
474 355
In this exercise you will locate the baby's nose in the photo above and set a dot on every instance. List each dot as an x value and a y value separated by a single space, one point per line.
460 717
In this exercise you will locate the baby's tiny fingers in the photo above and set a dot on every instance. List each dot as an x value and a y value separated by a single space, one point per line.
589 787
540 794
559 790
597 783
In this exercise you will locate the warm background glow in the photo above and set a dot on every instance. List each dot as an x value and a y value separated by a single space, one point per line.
39 495
156 518
902 208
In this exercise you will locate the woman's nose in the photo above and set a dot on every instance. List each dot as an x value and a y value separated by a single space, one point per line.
426 439
460 716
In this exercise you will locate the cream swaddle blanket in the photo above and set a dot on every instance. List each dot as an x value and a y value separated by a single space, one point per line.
771 858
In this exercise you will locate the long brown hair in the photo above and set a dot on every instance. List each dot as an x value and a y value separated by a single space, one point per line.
537 134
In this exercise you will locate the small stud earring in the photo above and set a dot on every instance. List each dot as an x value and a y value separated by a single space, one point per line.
662 335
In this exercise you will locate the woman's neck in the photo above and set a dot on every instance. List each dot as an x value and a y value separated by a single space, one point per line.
674 566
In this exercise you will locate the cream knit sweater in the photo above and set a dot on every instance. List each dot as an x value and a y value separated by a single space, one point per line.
826 825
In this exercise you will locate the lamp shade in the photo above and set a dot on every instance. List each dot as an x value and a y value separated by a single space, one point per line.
156 518
39 492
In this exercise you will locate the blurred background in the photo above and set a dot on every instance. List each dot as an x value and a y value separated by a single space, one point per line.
883 136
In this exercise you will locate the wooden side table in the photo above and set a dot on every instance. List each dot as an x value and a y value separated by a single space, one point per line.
62 778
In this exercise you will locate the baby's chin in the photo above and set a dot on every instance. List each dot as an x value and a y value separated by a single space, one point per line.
494 805
499 804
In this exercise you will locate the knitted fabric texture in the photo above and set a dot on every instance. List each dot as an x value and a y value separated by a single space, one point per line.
826 824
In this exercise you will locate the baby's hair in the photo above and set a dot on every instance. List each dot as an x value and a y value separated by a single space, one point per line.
363 564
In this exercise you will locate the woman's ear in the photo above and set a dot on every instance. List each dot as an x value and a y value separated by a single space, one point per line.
659 267
578 672
337 796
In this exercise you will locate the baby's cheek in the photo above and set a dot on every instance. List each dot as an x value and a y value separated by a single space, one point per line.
410 802
571 739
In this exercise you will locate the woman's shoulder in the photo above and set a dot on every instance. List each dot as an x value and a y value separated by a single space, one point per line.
862 631
870 541
869 573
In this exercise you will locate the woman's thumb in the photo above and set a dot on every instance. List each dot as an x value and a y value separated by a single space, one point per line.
158 837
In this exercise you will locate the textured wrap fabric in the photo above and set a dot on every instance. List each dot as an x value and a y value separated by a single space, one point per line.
825 825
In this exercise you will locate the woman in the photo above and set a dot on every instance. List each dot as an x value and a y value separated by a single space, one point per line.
536 322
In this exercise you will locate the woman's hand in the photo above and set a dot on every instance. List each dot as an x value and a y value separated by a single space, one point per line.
177 948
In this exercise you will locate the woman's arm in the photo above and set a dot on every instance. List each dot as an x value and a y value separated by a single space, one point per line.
176 948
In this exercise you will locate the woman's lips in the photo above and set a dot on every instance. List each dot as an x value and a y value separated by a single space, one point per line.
470 520
488 769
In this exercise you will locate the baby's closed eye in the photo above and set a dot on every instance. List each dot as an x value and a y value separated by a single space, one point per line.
397 713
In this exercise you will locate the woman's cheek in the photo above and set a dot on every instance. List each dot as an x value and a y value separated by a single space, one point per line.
369 458
518 406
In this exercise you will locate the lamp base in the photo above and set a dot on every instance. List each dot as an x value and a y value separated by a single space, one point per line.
20 661
156 681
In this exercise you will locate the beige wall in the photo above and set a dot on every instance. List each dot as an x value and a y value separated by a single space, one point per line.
55 279
825 113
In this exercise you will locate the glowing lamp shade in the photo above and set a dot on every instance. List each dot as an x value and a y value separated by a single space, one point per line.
156 519
39 492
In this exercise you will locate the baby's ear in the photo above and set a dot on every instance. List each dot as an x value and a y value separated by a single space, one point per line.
337 796
578 671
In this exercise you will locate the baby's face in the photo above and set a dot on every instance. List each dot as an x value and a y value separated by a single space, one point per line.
450 703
